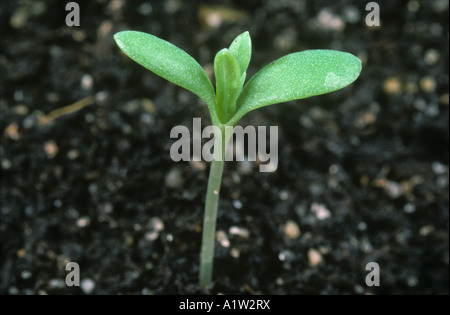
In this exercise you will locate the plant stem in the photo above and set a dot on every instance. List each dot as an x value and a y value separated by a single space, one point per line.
209 223
211 205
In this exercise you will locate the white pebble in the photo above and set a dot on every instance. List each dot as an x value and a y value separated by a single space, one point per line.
409 208
393 189
314 257
174 178
56 284
86 82
439 168
237 204
25 274
6 164
320 211
87 286
291 229
238 231
156 224
222 238
426 230
83 222
151 236
286 255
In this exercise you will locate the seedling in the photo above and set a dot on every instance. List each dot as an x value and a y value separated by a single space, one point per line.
292 77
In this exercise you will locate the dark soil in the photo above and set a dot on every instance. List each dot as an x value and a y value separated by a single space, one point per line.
363 172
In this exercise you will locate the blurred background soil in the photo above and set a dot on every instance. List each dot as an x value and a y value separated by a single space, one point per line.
363 173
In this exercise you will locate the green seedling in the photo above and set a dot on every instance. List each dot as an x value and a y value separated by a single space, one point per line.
292 77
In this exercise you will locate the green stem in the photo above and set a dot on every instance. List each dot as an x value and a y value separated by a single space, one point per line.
210 216
209 223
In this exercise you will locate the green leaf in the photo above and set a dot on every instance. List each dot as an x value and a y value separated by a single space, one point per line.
241 48
228 84
297 76
169 62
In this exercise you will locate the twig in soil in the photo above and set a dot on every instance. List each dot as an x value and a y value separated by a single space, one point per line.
66 110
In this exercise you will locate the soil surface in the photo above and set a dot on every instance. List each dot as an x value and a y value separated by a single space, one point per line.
363 173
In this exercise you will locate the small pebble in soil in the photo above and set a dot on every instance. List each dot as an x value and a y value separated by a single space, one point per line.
105 208
391 188
101 97
286 255
198 165
147 119
19 96
285 40
351 14
105 29
83 222
222 238
52 97
284 195
329 21
320 211
314 257
79 35
362 226
151 236
412 281
25 274
413 6
439 168
444 99
56 284
237 204
131 106
12 132
431 57
89 118
87 286
428 84
440 5
279 281
145 9
333 169
392 86
57 203
291 229
13 291
432 110
245 167
19 18
172 6
73 154
236 178
51 148
6 164
426 230
420 104
21 110
86 82
235 253
239 231
442 181
174 178
409 208
146 291
21 253
156 224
